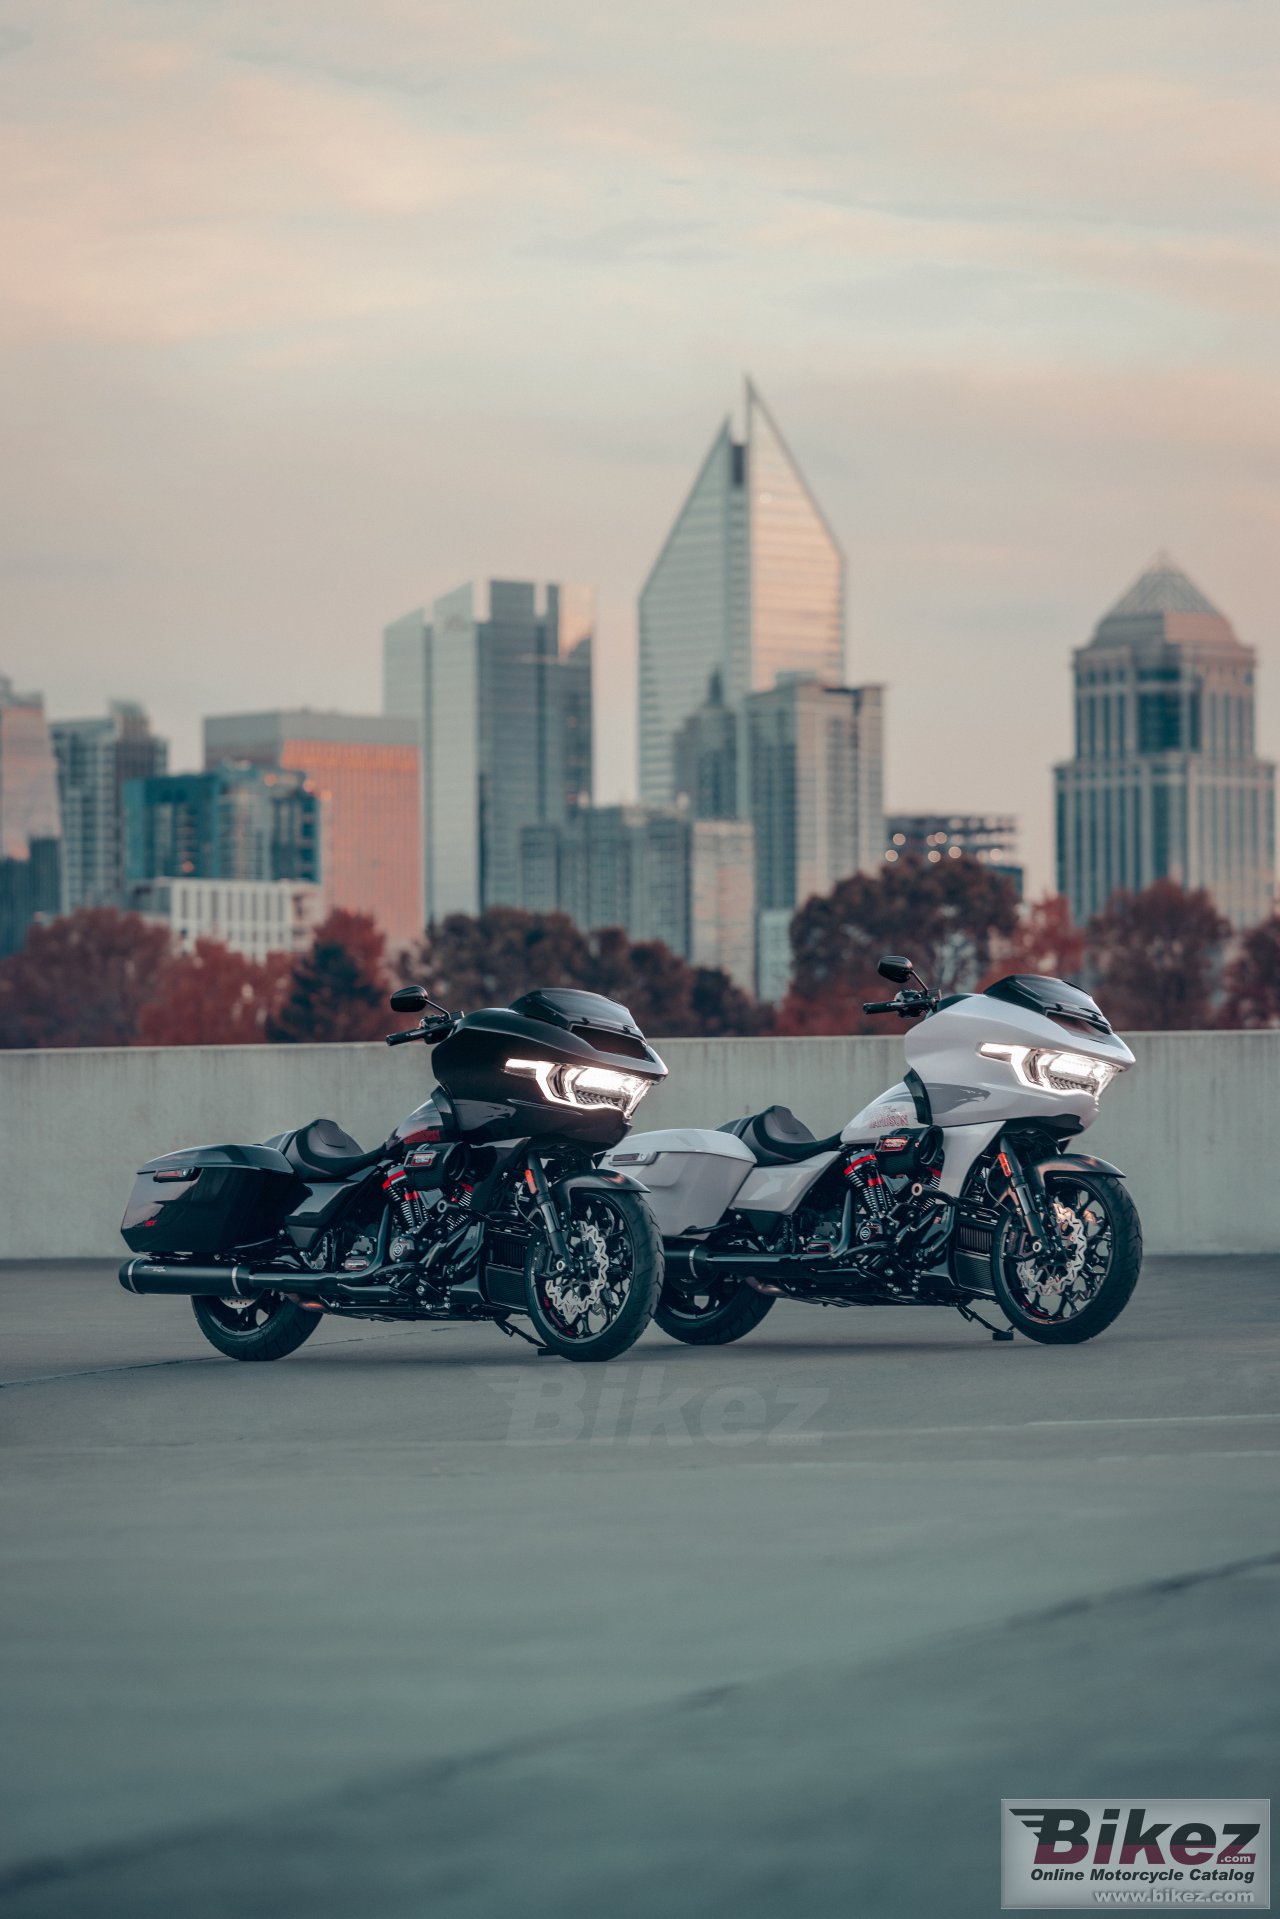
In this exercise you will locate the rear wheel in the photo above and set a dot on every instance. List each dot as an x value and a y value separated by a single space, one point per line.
1099 1224
264 1327
603 1303
724 1310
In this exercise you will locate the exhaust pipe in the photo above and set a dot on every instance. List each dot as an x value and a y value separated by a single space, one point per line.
246 1282
222 1282
693 1266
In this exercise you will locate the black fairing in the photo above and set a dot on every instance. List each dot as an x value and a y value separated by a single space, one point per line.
560 1024
1054 998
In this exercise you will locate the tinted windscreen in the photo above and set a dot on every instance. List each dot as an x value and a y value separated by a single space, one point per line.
1052 997
566 1006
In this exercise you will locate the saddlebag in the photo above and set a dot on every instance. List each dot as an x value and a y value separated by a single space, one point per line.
209 1199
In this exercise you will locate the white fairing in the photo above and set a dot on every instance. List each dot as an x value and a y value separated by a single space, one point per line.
691 1173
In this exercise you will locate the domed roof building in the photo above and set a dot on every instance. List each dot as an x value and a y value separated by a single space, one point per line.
1166 782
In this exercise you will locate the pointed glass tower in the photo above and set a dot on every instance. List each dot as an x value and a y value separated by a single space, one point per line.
749 585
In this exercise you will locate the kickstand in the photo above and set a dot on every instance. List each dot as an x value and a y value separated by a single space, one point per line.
996 1332
514 1332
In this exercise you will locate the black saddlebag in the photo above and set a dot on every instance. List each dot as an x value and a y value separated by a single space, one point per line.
209 1199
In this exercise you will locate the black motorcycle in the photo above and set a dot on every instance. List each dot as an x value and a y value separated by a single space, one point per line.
486 1202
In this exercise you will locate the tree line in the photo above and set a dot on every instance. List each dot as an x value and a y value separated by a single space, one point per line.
1160 959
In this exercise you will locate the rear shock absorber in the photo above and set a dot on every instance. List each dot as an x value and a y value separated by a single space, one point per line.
863 1174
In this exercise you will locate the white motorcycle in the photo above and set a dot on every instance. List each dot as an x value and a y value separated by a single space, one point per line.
952 1188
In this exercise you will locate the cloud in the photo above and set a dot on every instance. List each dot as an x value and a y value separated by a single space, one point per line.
313 309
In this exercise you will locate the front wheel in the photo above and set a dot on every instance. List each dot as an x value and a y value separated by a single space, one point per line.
264 1327
1103 1234
603 1303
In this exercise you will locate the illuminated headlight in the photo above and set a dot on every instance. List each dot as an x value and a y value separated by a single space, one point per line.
583 1086
1051 1072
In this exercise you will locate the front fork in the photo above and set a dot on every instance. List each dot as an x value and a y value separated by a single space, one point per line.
1035 1208
536 1180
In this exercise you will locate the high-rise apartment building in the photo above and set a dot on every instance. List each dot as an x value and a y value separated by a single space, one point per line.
812 787
235 822
96 758
722 899
749 584
1166 782
30 826
656 872
497 679
364 771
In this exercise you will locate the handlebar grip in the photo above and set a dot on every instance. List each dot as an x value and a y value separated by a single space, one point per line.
879 1006
402 1039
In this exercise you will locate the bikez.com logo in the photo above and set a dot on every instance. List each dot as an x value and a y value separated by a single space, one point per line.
1210 1852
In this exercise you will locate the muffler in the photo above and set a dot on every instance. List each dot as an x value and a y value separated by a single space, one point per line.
222 1282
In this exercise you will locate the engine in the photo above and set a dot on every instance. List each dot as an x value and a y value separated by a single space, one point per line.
429 1193
897 1210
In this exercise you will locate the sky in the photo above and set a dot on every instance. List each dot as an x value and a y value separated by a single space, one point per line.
313 310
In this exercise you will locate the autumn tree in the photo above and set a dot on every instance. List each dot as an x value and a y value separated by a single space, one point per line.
1253 979
215 997
492 959
946 916
82 980
337 989
1154 957
1045 939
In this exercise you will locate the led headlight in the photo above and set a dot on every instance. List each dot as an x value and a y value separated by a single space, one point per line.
1052 1072
583 1086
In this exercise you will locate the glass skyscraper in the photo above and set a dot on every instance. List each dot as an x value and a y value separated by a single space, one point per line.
95 760
30 824
1166 783
497 677
749 585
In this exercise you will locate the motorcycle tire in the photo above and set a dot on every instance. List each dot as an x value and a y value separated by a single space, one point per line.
1100 1219
733 1310
628 1231
268 1327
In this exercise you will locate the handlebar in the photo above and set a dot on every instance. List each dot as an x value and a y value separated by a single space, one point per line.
907 1005
428 1029
879 1006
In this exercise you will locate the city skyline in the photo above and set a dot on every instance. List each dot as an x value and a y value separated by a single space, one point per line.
309 315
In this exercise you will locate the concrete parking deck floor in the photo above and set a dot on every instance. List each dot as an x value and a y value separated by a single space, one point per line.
416 1623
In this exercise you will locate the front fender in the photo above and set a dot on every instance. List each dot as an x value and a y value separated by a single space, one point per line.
1077 1163
603 1180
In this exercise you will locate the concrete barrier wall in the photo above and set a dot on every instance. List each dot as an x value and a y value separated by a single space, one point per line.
1194 1125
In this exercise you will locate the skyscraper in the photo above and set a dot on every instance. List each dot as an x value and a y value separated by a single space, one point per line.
811 781
1165 783
749 584
364 770
234 822
706 758
497 678
30 827
95 760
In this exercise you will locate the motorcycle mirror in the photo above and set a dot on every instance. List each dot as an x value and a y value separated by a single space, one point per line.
894 967
410 999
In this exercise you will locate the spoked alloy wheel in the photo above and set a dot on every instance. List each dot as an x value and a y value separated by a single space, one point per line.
1099 1226
606 1299
267 1326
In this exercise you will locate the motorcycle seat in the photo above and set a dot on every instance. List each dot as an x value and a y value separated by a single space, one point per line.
777 1137
322 1150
